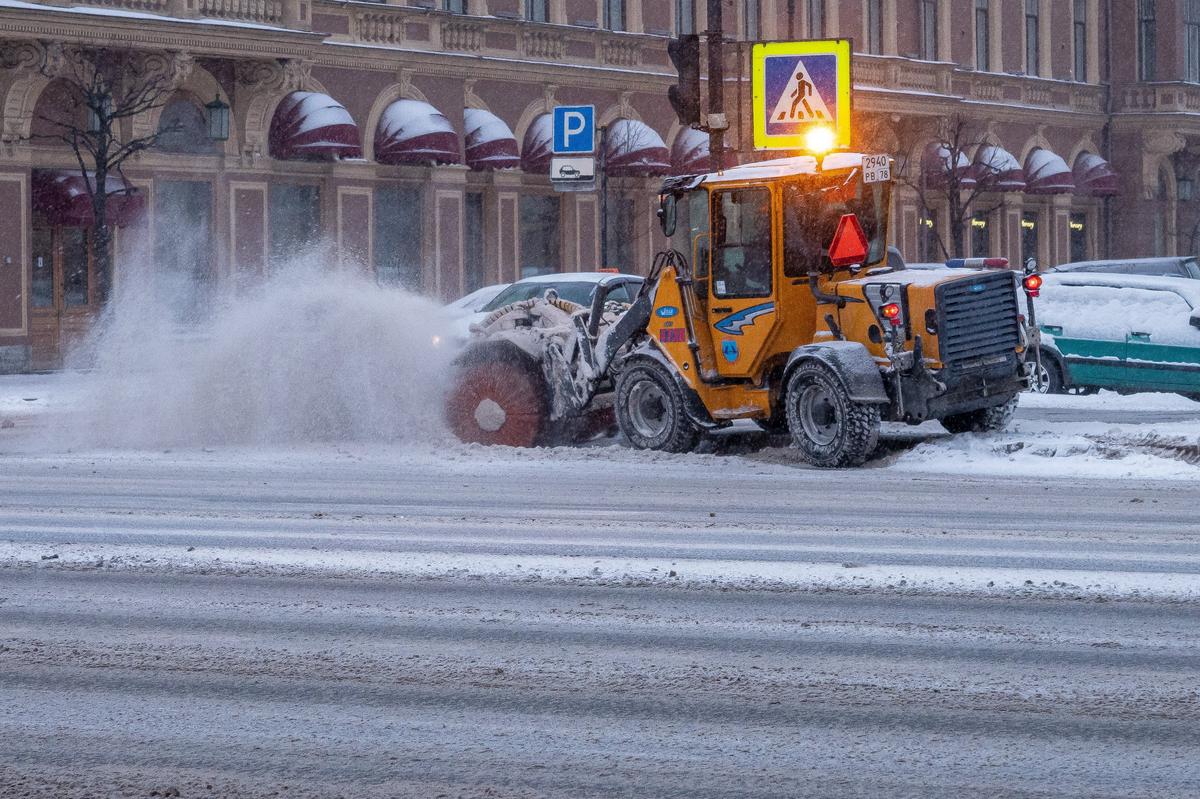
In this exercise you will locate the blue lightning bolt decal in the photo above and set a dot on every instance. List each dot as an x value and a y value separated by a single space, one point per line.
732 325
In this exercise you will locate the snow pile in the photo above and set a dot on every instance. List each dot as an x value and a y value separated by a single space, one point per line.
306 355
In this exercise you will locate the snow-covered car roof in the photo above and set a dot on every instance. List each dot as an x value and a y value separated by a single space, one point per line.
603 278
1169 260
477 299
1189 290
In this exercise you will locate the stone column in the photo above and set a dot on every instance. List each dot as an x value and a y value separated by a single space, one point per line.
444 275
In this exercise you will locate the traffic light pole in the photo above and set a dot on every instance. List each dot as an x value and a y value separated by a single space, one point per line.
716 86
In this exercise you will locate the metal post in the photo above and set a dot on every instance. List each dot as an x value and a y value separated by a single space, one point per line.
604 196
716 86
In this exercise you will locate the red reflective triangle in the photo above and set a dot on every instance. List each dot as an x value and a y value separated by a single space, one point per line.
850 244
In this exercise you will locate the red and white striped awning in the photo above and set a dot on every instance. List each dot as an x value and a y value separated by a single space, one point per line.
1095 177
1047 173
414 132
689 154
635 149
996 169
311 126
62 197
938 164
490 143
538 147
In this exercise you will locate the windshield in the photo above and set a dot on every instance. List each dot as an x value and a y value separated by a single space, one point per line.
814 205
576 291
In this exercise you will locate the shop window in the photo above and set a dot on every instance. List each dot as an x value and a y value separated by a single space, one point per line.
928 16
1147 40
1032 37
541 248
815 18
473 263
1079 237
983 33
183 128
622 210
875 26
1029 236
397 248
685 17
75 266
742 266
981 236
1079 35
928 248
42 285
294 219
183 250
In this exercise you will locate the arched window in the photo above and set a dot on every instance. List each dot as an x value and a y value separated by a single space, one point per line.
183 128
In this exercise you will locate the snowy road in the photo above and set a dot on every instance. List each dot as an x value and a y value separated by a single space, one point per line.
375 621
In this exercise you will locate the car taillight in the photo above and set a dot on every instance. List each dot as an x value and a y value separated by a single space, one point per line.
1033 285
891 312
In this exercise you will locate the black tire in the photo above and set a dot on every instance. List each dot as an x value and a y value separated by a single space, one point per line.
1052 376
984 420
829 429
650 409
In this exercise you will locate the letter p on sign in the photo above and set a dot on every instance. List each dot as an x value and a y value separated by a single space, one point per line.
574 129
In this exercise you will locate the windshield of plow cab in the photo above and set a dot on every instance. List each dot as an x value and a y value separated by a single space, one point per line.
812 207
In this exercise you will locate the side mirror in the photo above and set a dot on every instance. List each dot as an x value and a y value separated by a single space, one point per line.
667 213
1195 321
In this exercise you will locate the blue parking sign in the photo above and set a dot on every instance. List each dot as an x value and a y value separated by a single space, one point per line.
574 129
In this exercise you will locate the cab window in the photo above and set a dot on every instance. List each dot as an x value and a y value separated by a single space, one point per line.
691 230
742 246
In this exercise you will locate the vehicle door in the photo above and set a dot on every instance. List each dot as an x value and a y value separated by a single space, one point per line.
741 303
1086 333
1162 348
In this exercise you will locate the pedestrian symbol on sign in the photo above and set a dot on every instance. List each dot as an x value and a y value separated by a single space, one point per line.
800 101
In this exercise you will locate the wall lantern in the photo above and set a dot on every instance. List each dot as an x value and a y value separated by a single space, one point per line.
218 119
94 122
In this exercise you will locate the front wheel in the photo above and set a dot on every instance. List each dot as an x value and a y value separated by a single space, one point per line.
984 420
828 428
1050 377
650 410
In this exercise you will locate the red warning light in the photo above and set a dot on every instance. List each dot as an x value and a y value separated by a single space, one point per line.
891 312
850 244
1033 285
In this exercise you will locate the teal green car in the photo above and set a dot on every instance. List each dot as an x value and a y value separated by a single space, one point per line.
1128 333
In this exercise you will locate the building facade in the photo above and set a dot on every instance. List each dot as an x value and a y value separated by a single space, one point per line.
412 137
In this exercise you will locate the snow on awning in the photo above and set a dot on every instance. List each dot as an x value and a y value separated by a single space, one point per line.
62 197
538 147
1095 177
997 169
936 167
414 132
635 149
490 143
1047 173
310 126
689 154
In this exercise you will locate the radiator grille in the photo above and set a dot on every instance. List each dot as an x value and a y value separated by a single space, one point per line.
978 318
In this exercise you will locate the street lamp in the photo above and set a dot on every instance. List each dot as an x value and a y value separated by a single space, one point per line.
218 119
1184 189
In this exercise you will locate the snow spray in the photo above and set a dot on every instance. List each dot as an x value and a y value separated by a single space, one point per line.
314 352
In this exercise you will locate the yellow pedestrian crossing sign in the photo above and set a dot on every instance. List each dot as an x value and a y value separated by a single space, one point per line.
798 86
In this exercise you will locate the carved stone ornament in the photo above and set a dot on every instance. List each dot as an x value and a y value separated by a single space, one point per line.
21 55
289 75
1162 142
172 68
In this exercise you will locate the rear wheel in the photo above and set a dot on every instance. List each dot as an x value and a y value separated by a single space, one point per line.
830 429
984 420
650 410
497 401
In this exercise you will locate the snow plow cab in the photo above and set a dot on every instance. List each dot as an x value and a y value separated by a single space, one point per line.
776 306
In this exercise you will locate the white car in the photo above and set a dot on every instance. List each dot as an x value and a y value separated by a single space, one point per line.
577 287
475 301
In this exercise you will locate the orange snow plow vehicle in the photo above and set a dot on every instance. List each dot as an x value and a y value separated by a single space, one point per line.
773 304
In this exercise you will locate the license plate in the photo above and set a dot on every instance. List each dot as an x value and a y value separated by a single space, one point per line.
876 169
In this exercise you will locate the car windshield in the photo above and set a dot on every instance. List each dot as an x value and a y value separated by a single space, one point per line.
576 291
